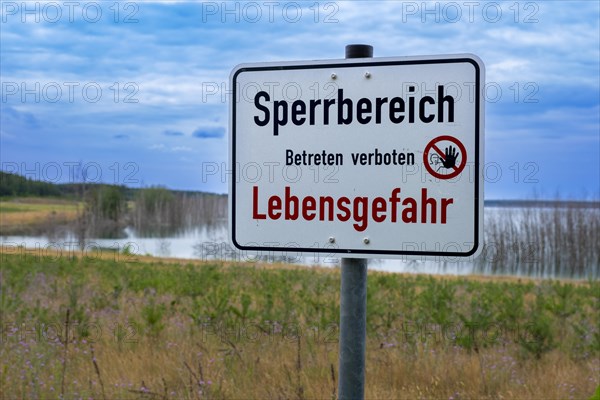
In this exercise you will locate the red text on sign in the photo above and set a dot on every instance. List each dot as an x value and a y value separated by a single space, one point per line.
360 210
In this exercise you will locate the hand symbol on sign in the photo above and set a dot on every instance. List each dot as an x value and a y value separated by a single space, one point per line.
452 160
450 157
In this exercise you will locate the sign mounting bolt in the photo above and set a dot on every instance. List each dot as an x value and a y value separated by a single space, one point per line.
367 74
331 239
333 75
366 241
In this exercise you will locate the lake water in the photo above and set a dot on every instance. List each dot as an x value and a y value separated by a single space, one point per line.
210 243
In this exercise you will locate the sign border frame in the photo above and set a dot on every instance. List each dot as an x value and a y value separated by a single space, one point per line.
367 62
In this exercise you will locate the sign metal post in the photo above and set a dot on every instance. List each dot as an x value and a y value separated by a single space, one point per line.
353 305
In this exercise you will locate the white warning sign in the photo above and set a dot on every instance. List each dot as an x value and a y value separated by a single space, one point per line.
375 157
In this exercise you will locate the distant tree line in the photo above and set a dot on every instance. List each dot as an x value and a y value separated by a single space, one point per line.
14 185
17 185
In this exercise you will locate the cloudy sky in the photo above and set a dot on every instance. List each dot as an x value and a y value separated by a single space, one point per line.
137 92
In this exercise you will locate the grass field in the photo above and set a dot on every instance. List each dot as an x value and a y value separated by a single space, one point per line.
21 215
115 326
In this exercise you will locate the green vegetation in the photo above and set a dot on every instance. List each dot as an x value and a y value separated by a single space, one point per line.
13 185
16 185
107 202
150 329
596 395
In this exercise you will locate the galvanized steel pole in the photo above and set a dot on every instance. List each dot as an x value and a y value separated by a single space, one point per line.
353 304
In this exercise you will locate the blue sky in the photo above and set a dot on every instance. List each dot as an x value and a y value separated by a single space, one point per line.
136 92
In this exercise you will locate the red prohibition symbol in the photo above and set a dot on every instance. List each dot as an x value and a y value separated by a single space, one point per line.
442 163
